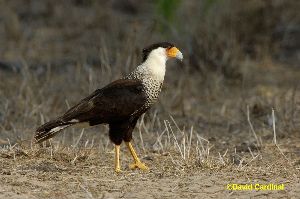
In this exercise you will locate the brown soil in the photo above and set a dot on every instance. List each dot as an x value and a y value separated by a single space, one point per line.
88 173
213 124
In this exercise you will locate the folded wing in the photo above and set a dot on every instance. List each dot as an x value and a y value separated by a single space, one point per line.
115 102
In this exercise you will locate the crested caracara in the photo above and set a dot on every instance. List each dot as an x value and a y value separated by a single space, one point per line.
120 103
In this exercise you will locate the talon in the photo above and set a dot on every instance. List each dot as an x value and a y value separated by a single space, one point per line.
139 165
118 170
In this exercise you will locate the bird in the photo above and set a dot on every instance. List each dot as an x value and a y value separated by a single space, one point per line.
120 103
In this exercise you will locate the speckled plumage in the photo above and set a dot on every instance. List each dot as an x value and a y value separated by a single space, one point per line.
151 87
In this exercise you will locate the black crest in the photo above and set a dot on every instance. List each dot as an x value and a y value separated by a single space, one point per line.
147 50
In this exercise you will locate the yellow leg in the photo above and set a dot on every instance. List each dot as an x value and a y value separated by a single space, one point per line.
117 158
137 163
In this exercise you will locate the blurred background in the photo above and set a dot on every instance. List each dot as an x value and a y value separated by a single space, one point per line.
241 58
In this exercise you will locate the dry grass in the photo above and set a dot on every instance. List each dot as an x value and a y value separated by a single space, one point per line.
229 113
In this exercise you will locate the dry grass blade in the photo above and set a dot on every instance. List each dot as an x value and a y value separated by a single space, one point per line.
55 53
251 127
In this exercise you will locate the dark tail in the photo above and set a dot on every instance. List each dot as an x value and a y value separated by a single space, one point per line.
50 129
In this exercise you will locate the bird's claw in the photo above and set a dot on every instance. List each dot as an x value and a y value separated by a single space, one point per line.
118 170
139 165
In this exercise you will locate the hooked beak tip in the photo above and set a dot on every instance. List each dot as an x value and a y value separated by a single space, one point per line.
179 56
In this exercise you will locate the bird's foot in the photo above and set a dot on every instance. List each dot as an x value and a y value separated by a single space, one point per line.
118 170
139 165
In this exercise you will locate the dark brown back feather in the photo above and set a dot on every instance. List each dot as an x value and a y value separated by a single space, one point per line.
115 102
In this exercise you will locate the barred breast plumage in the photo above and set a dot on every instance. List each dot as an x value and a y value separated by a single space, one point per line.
151 87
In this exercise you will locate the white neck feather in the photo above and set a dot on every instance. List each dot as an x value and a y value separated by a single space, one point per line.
155 64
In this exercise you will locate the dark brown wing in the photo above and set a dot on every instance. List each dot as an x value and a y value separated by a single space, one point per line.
116 101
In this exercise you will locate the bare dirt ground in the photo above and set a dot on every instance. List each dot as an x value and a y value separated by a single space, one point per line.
230 113
88 173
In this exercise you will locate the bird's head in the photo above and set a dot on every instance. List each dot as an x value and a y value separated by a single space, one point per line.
162 50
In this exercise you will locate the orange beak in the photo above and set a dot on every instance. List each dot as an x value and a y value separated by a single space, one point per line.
174 52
